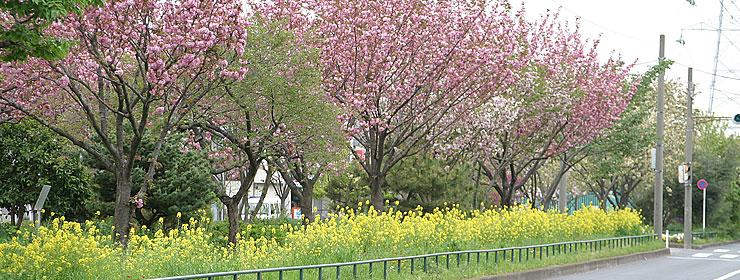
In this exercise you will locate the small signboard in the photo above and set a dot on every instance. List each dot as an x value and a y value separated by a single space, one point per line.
702 184
42 198
296 211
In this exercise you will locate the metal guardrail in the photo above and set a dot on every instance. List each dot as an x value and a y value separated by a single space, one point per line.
710 234
525 252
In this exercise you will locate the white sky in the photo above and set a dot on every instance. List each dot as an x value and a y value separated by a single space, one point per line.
633 27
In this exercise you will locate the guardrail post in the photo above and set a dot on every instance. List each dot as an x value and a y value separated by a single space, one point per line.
320 273
338 272
354 270
300 274
259 276
425 264
448 261
399 267
512 255
371 270
495 256
385 269
667 236
280 275
412 265
540 252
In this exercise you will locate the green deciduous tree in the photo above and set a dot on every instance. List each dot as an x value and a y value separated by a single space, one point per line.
22 24
30 157
716 160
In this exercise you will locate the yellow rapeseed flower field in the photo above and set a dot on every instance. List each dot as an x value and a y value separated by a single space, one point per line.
69 250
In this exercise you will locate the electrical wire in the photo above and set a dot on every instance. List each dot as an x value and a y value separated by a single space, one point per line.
707 72
599 25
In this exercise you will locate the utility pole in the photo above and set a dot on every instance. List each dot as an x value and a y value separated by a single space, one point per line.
658 196
687 217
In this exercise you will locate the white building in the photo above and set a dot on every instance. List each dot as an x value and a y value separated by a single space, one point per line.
277 193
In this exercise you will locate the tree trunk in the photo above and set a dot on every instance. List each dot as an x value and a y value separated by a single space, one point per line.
307 203
259 204
18 211
283 197
553 186
376 192
122 214
232 211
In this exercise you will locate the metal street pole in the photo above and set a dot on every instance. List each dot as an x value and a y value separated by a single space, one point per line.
704 212
687 230
658 195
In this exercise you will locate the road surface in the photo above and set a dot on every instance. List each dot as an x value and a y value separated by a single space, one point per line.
717 263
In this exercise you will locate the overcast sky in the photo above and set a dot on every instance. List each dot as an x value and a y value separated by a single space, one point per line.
633 27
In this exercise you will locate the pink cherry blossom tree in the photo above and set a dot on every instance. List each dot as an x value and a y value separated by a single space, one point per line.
136 66
399 67
563 98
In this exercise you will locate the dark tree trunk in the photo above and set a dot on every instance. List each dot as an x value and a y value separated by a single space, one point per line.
18 211
376 192
123 211
232 211
307 203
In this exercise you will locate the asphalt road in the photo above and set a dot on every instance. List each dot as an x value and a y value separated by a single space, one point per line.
718 263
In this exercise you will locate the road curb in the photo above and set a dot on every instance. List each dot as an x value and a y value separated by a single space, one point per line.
574 268
699 247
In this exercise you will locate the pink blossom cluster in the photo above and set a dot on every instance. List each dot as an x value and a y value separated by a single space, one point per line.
130 56
392 62
562 98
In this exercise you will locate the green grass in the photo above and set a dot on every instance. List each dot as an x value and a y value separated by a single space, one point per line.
703 241
483 270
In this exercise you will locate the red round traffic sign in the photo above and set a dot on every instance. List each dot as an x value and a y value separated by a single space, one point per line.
702 184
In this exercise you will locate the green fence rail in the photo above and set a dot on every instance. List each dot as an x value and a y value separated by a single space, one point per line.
512 254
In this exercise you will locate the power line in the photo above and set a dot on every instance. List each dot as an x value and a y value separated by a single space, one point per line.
707 72
642 63
599 25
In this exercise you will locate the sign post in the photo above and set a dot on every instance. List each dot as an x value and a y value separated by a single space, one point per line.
702 184
39 205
